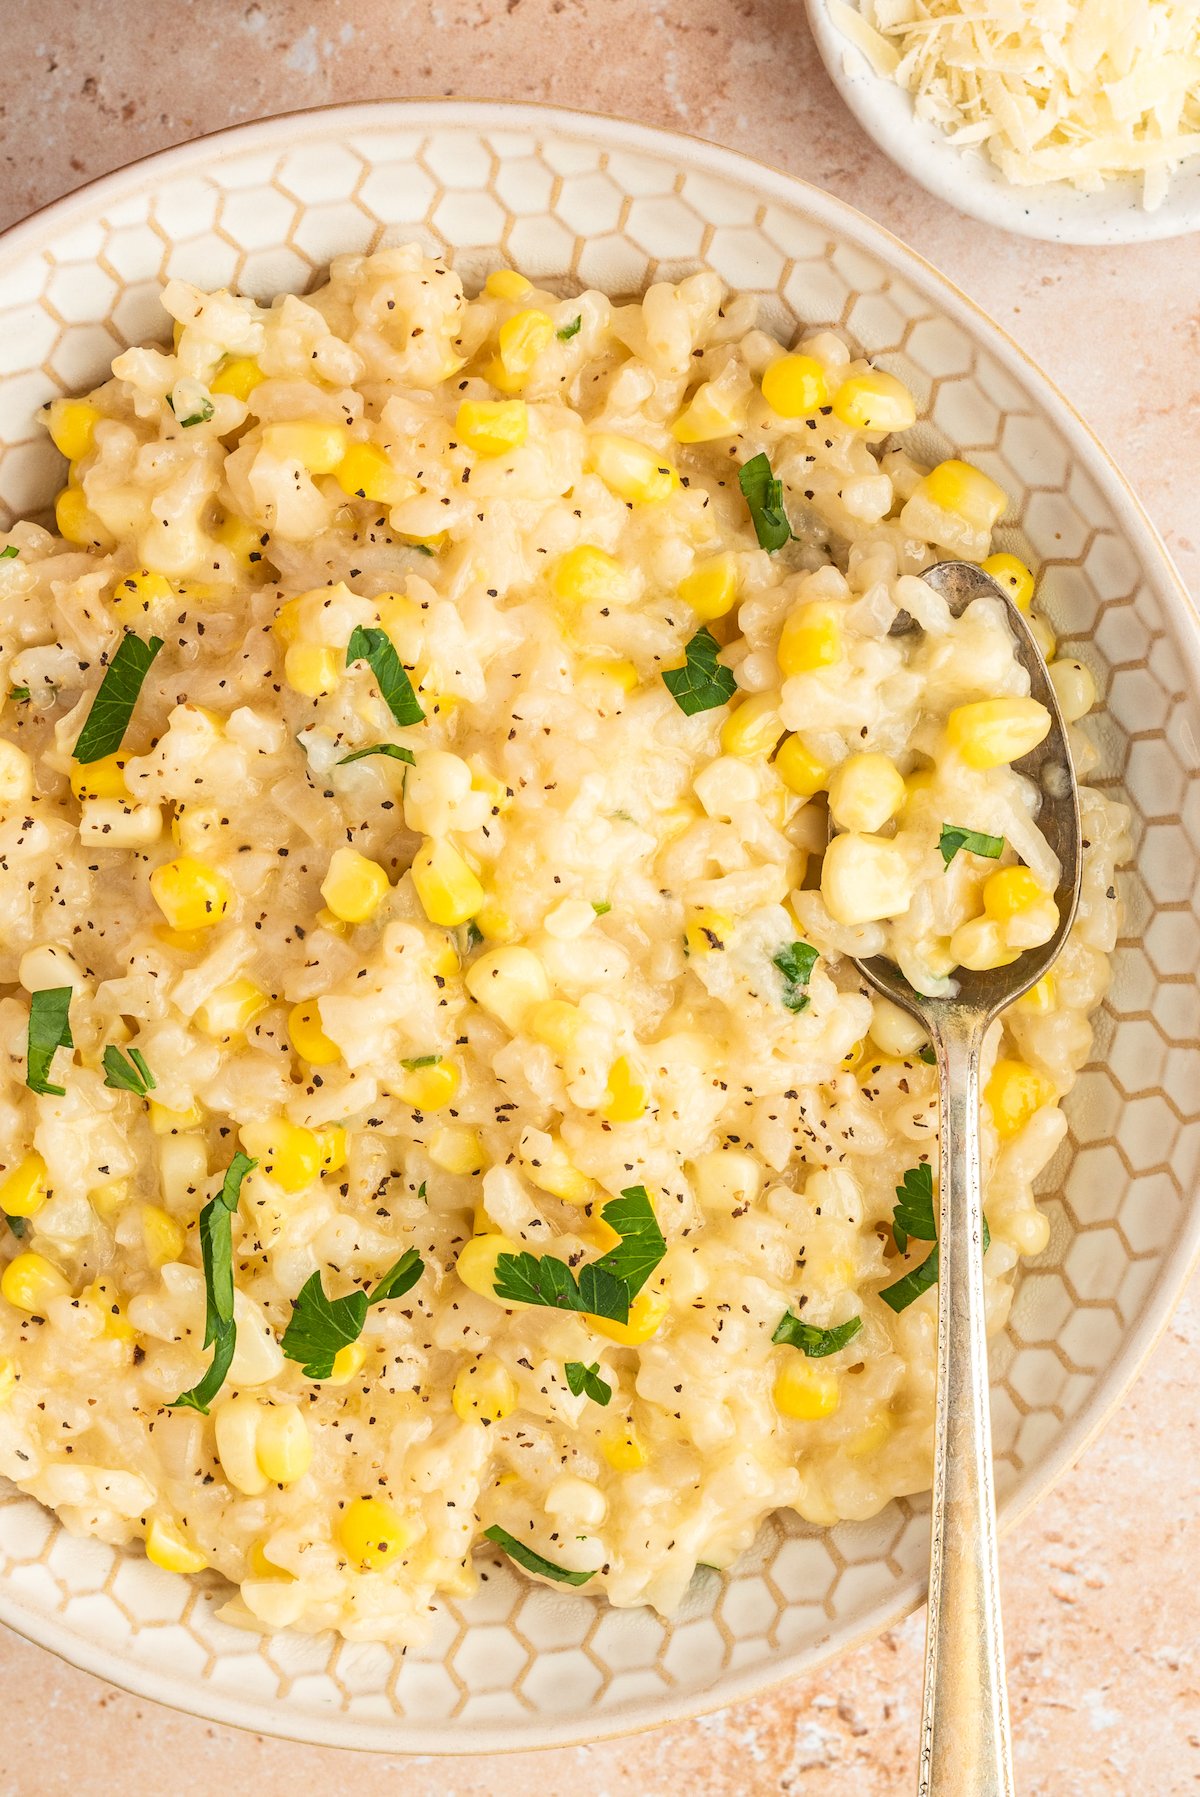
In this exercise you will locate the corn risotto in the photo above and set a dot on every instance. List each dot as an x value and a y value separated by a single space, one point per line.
438 1101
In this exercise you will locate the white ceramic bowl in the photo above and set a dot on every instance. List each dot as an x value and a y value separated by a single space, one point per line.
577 200
968 179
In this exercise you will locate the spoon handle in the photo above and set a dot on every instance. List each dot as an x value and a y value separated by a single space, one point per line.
965 1745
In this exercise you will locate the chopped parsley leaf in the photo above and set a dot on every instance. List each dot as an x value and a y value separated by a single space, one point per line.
19 693
216 1254
107 721
127 1073
395 750
604 1287
375 648
587 1379
796 962
421 1060
534 1562
320 1326
954 837
915 1216
570 330
702 683
9 553
18 1225
764 496
49 1030
601 907
927 1055
811 1340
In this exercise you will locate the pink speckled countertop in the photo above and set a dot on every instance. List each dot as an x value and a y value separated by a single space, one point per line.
1104 1650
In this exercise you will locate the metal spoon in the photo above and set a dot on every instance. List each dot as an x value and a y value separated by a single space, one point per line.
965 1744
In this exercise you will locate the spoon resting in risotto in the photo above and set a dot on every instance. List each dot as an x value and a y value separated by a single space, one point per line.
439 1108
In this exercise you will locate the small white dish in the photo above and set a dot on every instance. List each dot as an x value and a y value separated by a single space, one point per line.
969 180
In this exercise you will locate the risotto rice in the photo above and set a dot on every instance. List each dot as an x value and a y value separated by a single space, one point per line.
430 1045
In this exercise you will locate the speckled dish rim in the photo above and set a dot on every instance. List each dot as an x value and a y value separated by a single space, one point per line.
967 178
195 1697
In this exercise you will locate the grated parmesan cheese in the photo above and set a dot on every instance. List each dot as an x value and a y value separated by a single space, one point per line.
1085 91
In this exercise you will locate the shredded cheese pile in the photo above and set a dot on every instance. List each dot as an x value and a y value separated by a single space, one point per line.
1083 91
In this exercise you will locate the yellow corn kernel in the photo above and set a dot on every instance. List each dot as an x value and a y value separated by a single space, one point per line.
190 894
522 338
8 1377
429 1088
103 779
623 1449
622 673
506 284
754 727
237 376
449 892
1010 572
484 1392
1044 637
967 491
630 469
282 1443
311 669
587 575
1012 1094
871 1439
354 887
30 1281
708 417
287 1152
627 1094
795 386
443 961
800 772
261 1567
165 1122
162 1236
76 522
492 427
990 732
865 792
476 1263
553 1172
556 1023
874 401
346 1363
1009 891
244 540
506 982
482 1223
286 622
231 1009
1074 688
853 1056
72 424
308 1038
495 924
373 1534
647 1313
107 1301
23 1192
980 945
806 1392
707 932
318 444
811 638
711 587
456 1148
334 1145
136 591
365 472
168 1547
1040 998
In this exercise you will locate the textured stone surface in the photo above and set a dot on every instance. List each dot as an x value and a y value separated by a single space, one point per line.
1099 1625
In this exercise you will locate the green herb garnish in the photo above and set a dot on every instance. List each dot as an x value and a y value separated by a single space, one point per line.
532 1562
420 1060
9 553
107 721
570 330
393 749
18 1225
376 649
603 1287
601 907
127 1074
216 1254
702 683
19 693
587 1379
764 496
954 837
201 415
927 1055
474 935
914 1216
795 963
49 1030
320 1325
810 1340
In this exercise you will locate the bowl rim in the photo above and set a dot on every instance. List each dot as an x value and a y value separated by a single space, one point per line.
1052 211
23 237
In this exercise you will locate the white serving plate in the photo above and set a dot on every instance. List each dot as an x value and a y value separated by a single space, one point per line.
575 201
968 179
